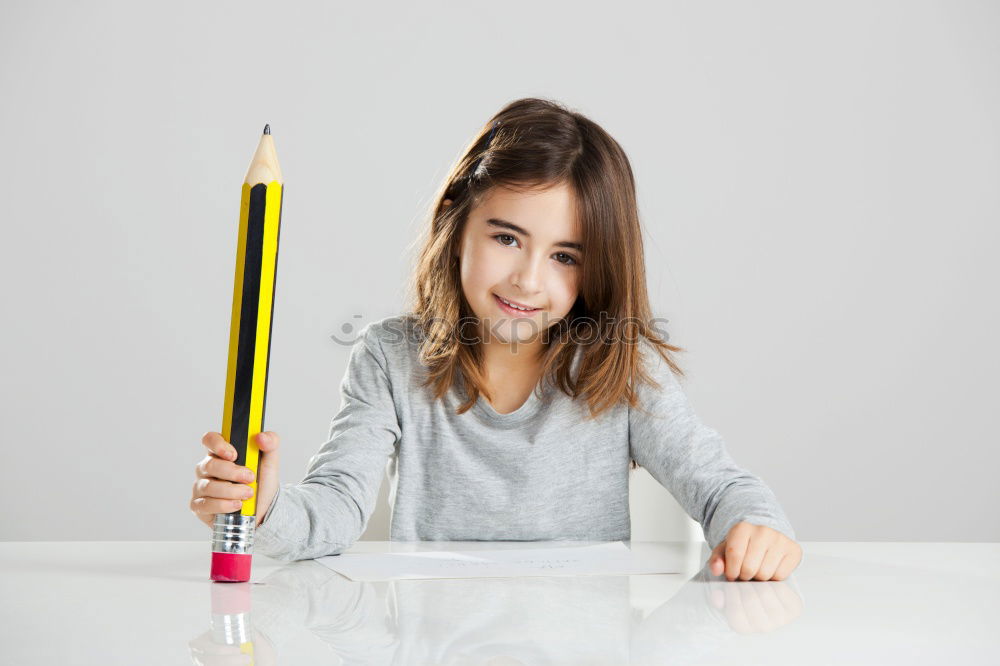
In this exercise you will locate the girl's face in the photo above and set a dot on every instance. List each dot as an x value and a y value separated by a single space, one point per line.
524 247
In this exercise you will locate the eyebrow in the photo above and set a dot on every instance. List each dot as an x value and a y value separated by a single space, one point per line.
504 224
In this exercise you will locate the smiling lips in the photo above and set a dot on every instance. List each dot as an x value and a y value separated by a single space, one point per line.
513 307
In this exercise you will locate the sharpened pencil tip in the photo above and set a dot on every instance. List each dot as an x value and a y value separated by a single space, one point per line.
267 129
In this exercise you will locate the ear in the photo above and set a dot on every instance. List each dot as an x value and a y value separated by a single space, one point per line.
447 202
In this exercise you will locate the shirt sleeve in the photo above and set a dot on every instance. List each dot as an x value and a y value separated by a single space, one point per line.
328 510
690 460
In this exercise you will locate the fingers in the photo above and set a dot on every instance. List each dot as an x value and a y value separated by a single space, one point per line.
788 563
222 485
755 552
218 446
212 496
206 507
212 467
267 442
760 543
736 547
717 560
770 564
215 489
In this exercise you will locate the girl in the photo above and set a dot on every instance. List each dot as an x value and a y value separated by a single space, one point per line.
510 399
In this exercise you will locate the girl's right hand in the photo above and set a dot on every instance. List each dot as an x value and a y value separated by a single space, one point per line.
221 484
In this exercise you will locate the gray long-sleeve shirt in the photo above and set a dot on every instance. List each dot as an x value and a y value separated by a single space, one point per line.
542 472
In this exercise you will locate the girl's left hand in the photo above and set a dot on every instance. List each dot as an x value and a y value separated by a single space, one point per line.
754 551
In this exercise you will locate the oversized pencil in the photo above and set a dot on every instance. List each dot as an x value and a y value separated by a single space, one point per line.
249 350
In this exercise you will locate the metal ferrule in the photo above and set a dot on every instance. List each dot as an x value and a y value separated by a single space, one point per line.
233 533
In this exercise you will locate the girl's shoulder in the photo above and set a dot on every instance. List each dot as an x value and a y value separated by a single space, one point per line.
660 378
393 330
396 339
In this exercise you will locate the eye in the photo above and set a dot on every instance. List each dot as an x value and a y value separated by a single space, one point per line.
499 236
569 260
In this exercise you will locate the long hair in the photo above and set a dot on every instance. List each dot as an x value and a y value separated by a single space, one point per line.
538 143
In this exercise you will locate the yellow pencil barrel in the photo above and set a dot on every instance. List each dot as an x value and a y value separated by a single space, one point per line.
250 325
249 350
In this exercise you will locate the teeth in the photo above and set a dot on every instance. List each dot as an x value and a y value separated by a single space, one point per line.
516 307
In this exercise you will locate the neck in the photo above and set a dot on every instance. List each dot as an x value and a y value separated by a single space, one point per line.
513 357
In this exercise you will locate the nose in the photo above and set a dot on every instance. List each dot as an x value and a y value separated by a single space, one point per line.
528 274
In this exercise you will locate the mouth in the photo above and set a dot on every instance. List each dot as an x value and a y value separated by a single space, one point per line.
514 308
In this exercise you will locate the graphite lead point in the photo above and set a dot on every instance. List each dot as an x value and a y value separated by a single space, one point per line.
267 129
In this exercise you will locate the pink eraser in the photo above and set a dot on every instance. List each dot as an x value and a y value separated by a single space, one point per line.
231 567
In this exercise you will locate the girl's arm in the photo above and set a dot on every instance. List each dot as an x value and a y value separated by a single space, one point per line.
690 460
328 510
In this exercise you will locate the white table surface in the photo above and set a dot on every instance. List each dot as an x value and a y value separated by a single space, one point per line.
152 603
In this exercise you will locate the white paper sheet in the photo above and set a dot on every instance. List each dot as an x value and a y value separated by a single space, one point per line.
613 558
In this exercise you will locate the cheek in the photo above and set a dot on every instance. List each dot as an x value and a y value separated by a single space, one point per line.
565 288
478 270
485 266
469 285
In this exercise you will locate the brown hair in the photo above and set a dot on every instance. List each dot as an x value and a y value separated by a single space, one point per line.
536 144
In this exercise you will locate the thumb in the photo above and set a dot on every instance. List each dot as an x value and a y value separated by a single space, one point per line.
268 442
267 472
717 560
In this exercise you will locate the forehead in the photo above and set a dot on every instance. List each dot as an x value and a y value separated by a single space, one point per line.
545 212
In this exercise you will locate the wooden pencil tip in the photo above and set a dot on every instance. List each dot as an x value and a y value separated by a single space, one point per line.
267 129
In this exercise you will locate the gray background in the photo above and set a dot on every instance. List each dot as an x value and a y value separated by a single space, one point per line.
818 187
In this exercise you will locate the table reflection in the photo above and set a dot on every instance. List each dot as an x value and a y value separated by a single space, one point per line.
532 620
